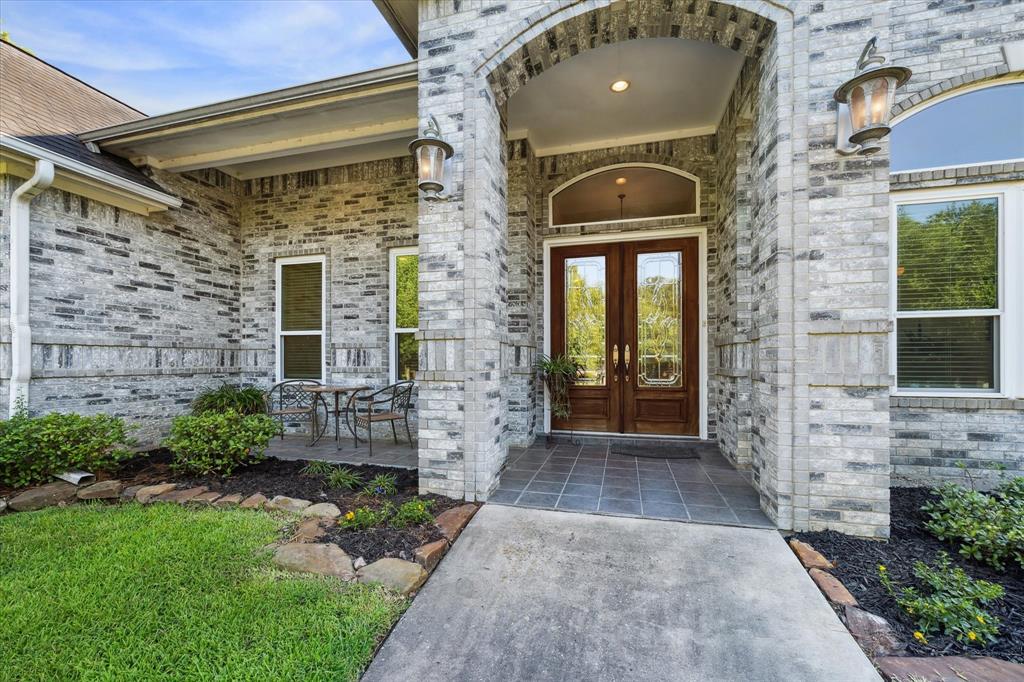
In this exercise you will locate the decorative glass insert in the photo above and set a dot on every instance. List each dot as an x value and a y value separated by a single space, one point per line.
585 317
659 313
947 352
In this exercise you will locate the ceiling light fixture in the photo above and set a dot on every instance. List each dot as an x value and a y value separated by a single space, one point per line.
619 86
620 181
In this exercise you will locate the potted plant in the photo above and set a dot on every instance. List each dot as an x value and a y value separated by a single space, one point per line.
559 373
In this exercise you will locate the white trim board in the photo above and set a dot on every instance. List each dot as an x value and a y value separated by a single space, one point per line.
639 235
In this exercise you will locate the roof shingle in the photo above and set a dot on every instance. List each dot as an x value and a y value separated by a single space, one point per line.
41 104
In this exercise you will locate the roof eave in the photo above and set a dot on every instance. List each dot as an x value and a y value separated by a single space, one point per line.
368 80
406 33
82 178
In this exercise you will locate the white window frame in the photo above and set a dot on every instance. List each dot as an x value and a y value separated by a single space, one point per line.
1010 236
393 330
279 333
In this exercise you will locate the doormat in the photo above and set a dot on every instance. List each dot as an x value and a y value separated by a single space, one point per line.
660 450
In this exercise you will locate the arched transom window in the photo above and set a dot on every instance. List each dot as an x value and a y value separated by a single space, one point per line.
625 192
977 127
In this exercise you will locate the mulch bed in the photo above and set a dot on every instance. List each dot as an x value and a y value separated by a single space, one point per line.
377 543
857 563
284 477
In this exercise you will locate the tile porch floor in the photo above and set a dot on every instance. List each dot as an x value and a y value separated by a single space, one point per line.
590 478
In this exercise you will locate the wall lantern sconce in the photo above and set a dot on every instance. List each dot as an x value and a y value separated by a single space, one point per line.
431 152
865 102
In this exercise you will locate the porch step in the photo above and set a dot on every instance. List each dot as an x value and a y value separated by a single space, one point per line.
628 441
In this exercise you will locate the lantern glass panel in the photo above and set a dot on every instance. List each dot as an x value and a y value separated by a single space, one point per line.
858 108
879 101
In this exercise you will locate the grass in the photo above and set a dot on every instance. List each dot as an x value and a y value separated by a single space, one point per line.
96 592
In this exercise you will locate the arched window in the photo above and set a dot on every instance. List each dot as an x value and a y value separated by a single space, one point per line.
977 127
625 192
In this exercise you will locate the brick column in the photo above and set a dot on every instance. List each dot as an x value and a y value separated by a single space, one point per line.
463 291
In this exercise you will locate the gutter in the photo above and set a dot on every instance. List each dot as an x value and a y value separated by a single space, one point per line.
157 199
21 330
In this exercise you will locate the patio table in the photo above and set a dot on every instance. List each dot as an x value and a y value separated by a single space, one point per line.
338 391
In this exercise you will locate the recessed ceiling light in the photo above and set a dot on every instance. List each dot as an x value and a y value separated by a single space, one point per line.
619 86
620 181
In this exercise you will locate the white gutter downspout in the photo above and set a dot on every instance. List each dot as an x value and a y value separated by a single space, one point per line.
21 331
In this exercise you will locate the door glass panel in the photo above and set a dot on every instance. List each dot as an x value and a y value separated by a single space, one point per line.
585 318
659 319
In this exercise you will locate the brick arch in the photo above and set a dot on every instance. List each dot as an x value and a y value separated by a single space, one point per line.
551 36
961 82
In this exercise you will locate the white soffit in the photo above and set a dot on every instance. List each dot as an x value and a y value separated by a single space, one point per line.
279 133
678 88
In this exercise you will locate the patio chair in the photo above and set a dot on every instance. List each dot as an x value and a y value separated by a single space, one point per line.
289 403
389 404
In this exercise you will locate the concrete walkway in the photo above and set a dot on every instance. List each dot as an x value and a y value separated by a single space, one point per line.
529 594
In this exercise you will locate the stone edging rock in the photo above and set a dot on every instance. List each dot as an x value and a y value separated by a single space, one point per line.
878 640
302 553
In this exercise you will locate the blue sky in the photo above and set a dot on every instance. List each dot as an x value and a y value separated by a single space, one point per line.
164 55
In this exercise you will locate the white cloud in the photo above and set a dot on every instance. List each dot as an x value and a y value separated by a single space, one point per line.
163 56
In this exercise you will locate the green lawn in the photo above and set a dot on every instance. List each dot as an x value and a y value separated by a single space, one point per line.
162 592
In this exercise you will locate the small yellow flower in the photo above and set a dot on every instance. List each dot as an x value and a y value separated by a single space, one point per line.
881 568
351 515
919 636
981 620
971 636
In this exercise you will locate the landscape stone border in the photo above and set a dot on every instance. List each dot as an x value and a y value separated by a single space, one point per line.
878 640
300 553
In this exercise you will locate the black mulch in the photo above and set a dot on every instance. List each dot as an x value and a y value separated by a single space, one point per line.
857 566
376 543
284 477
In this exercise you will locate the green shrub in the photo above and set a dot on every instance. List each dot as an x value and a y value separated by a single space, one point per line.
219 442
343 477
953 604
317 467
381 485
34 448
989 527
364 517
243 400
413 513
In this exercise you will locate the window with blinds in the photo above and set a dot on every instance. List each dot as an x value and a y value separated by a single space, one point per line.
404 313
300 331
947 295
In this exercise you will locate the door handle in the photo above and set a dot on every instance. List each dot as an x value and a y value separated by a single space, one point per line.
615 361
627 361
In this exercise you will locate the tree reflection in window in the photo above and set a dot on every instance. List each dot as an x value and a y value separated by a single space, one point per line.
659 319
585 334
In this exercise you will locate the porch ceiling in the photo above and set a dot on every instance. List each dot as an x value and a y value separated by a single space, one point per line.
356 118
678 88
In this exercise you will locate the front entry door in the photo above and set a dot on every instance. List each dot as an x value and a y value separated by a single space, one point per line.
628 314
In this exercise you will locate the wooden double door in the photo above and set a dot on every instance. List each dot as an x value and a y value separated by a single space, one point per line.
628 313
